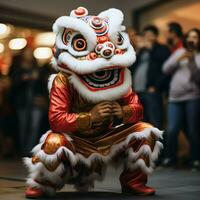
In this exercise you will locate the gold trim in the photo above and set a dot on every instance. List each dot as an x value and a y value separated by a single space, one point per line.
52 143
35 159
61 80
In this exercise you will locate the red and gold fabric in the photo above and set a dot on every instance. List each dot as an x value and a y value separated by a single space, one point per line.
69 112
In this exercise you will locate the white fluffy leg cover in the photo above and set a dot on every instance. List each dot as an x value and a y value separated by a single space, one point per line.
134 160
38 172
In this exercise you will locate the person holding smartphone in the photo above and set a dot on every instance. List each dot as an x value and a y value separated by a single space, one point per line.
184 97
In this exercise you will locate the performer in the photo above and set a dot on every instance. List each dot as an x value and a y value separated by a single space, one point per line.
94 115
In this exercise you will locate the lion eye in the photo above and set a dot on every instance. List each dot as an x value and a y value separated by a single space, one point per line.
79 43
66 36
120 39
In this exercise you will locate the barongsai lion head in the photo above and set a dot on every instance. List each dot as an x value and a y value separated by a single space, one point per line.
96 51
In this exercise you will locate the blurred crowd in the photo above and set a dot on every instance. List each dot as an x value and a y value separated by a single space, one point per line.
168 74
166 77
23 104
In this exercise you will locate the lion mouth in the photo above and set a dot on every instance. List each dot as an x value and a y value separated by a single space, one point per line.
103 79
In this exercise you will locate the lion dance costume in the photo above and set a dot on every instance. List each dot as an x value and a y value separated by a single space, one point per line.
92 55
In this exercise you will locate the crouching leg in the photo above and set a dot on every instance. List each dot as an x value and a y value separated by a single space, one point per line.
143 149
50 166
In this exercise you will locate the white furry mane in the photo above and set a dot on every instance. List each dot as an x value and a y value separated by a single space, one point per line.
50 81
115 18
102 95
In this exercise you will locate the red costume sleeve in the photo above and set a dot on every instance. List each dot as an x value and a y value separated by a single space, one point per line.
60 118
132 109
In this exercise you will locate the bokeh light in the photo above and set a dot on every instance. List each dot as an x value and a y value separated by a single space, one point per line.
42 53
17 43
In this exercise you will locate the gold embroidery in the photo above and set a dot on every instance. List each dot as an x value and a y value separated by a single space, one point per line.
35 159
61 80
52 143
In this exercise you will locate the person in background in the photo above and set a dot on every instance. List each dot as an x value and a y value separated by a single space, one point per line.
27 97
132 35
148 79
8 127
184 98
174 36
45 71
136 39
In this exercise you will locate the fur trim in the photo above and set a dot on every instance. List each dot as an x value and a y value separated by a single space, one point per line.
50 81
145 134
56 157
37 148
90 66
54 63
76 25
86 182
117 147
133 162
38 171
115 18
140 163
102 95
74 158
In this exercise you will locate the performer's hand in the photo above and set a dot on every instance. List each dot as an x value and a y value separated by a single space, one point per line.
97 124
117 110
101 112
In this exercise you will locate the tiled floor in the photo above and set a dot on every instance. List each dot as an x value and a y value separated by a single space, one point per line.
170 184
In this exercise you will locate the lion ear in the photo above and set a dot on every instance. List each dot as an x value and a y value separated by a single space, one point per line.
115 18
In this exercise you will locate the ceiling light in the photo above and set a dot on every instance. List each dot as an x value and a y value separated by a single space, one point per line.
4 30
42 53
17 43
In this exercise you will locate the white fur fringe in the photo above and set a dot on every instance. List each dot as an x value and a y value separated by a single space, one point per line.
133 160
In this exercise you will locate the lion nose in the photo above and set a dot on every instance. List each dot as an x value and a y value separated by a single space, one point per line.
106 50
107 53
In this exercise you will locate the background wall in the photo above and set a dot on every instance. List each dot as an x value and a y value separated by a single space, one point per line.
43 13
185 12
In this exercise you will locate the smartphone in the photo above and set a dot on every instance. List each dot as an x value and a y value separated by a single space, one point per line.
190 46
